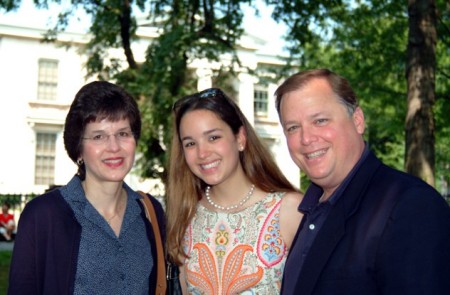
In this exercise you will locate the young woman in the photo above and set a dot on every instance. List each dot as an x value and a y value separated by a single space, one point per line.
232 215
90 236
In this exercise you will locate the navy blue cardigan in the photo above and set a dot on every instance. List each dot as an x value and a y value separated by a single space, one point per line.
46 251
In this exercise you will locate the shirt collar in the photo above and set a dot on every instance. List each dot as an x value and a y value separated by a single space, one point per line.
314 192
73 191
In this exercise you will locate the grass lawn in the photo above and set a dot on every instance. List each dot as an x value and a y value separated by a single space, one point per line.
5 259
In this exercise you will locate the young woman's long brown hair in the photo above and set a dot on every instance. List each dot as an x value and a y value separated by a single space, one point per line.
185 189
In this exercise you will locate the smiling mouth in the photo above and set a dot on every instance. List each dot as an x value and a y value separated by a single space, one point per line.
210 165
114 161
316 154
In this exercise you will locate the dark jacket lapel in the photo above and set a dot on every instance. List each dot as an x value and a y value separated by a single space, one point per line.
333 229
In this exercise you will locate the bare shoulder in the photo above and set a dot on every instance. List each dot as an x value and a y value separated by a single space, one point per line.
292 199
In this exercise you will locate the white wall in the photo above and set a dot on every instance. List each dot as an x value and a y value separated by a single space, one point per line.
21 114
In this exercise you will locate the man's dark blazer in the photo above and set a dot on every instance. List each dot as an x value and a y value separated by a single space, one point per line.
389 233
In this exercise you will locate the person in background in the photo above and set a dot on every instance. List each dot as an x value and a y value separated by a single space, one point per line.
367 228
231 213
90 236
7 223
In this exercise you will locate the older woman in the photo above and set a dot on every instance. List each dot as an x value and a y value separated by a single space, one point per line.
90 236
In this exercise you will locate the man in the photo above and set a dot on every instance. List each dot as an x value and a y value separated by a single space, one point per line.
367 228
7 224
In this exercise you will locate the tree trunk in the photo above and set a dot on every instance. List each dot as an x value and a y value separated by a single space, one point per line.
420 74
125 33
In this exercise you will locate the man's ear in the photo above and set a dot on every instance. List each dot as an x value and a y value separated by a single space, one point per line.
358 120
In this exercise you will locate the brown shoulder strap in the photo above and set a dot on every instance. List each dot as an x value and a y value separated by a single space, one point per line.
161 284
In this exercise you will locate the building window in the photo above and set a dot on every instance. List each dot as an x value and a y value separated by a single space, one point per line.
48 79
260 100
45 158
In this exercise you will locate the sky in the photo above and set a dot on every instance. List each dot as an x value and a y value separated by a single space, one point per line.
262 26
29 15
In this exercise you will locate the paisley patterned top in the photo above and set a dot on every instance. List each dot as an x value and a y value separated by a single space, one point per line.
236 253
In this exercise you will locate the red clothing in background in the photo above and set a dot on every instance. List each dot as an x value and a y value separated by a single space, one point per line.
4 219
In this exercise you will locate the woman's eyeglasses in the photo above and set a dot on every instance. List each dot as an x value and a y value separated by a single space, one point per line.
102 138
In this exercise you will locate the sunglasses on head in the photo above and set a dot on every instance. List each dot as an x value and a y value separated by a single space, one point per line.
205 94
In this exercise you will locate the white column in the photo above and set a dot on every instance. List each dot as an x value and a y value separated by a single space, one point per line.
245 96
204 80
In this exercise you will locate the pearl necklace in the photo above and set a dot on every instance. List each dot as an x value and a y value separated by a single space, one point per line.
242 202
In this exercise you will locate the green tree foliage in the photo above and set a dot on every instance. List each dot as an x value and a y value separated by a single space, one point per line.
190 29
366 42
9 5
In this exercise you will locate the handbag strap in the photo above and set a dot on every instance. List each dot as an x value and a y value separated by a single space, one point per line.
161 284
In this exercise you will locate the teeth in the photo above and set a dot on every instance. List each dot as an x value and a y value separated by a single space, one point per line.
315 154
210 165
113 161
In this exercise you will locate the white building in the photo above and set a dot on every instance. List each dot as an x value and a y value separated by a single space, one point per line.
39 80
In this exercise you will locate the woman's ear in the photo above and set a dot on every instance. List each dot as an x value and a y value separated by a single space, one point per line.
241 138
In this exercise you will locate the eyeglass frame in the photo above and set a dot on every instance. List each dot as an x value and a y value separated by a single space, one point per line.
116 135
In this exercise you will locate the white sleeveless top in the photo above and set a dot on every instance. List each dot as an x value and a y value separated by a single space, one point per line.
236 253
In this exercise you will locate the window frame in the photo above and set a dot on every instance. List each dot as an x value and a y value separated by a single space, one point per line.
47 79
45 157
